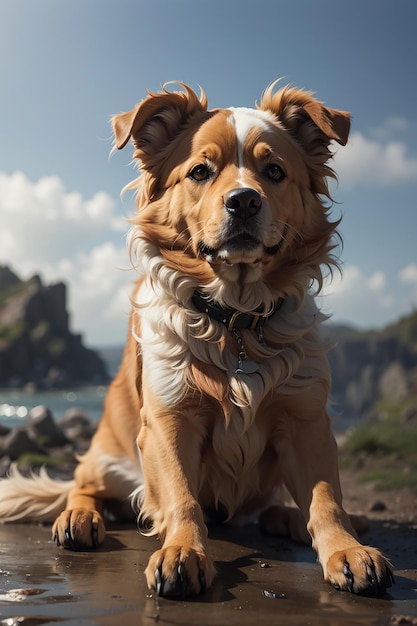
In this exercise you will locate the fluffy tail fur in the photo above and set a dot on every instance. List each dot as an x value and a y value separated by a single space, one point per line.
37 498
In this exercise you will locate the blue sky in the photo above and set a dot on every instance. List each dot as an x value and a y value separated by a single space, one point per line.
67 65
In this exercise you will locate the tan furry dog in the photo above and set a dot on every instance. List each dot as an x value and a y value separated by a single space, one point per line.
224 379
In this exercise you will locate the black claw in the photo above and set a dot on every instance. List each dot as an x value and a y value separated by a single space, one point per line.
380 585
349 577
94 536
177 588
182 579
202 581
56 540
373 584
390 577
377 586
70 543
159 581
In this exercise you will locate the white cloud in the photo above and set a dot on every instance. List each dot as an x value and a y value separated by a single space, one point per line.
408 274
100 289
42 223
357 298
63 236
377 281
370 162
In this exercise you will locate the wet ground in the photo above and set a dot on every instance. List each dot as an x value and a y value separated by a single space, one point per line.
42 584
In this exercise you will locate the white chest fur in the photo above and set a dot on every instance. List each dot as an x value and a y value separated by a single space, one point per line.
172 335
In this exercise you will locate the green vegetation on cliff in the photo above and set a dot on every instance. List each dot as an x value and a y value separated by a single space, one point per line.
36 343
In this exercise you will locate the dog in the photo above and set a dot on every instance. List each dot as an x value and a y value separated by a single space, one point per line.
222 391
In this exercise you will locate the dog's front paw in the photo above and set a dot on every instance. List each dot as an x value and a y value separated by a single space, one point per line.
360 570
79 529
177 572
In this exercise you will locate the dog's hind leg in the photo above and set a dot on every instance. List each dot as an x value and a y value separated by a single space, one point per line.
288 521
99 477
111 469
80 526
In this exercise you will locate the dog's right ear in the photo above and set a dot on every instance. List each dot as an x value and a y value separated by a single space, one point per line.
155 121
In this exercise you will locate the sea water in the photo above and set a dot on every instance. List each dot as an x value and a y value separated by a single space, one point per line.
15 404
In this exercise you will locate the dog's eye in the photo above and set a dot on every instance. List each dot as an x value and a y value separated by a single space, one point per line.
200 173
274 172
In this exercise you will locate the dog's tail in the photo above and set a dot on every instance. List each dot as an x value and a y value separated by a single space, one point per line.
37 498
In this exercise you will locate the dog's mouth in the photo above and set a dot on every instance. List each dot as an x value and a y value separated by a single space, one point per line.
244 242
244 248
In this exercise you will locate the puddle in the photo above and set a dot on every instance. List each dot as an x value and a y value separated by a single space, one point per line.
17 595
260 580
26 620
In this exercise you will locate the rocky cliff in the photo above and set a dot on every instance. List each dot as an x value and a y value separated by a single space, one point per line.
370 365
36 344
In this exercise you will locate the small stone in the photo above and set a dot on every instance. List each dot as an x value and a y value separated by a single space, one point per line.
18 443
273 595
76 425
378 505
4 430
403 620
42 427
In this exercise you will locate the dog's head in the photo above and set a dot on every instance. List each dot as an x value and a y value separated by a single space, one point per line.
236 194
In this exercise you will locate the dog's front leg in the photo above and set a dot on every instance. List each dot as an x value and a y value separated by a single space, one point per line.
311 474
171 455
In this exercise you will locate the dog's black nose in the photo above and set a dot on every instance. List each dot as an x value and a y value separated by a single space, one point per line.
242 202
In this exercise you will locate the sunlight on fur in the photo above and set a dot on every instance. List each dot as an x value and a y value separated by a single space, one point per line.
224 383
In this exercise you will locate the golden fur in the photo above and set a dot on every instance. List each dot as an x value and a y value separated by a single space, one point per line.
230 205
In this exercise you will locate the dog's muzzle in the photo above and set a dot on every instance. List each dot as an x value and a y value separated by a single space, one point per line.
241 230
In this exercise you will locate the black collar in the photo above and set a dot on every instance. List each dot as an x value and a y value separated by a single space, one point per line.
232 318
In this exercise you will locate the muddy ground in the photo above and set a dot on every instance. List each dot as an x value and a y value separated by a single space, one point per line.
261 580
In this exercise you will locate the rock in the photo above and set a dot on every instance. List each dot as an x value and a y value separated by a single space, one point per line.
370 365
393 382
76 425
36 343
7 278
409 415
18 443
4 430
403 620
378 505
42 427
5 463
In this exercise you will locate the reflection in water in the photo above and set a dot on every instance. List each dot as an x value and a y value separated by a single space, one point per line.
17 595
15 404
107 586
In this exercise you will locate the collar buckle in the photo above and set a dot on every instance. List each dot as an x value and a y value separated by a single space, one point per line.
257 320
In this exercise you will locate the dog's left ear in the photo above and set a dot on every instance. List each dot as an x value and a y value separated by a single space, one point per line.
309 121
155 121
